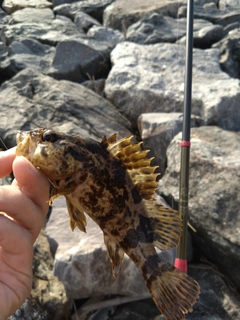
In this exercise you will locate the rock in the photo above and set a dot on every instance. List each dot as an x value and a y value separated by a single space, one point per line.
216 16
157 130
30 310
8 179
217 300
82 262
47 33
230 27
59 2
230 53
205 37
32 15
96 86
229 4
89 59
122 13
11 6
150 79
158 28
25 53
94 8
182 12
211 5
214 188
47 289
64 105
203 3
106 35
3 16
84 21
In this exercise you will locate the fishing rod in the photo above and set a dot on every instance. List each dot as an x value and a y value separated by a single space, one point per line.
181 256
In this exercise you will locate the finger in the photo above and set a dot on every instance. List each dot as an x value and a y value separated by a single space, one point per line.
32 182
6 160
12 234
22 209
16 266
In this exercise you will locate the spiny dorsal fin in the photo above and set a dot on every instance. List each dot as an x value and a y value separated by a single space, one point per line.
135 160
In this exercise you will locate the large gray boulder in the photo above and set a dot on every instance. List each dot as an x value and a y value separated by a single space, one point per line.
31 15
214 188
217 300
25 53
230 53
94 8
230 4
88 59
50 32
11 6
106 35
32 100
158 28
84 21
214 15
151 79
122 13
205 37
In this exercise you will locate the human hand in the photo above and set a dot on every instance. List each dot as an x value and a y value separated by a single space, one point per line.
23 207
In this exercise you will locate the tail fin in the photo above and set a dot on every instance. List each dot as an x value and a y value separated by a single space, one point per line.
173 292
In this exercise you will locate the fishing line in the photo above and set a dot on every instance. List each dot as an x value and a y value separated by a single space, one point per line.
3 143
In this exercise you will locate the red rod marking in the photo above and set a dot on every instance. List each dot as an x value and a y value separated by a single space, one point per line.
185 143
181 265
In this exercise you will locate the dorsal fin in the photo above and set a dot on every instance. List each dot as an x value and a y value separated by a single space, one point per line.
135 160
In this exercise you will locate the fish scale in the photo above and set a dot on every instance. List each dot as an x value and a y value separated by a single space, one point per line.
114 183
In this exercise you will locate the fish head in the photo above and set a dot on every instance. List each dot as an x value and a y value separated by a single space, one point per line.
58 155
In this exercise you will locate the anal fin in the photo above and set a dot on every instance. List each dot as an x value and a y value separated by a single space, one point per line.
163 225
77 217
116 255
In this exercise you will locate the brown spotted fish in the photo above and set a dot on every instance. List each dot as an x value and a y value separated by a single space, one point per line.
114 183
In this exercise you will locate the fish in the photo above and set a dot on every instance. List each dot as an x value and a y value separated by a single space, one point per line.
114 183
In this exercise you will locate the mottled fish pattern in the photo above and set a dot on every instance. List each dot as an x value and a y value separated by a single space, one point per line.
114 183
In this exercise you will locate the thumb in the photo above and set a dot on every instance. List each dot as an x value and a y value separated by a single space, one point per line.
32 182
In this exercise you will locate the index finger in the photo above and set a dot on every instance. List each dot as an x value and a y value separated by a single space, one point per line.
6 160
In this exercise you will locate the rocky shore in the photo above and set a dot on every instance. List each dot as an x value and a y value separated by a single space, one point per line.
95 67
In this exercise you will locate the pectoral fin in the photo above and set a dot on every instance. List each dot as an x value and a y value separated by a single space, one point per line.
53 194
115 253
57 191
77 217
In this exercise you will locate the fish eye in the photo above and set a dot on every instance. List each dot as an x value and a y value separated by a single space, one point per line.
49 136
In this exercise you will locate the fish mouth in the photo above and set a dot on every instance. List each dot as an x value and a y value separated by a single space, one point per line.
27 142
21 135
23 142
34 135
